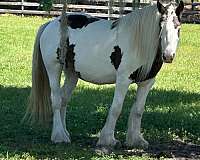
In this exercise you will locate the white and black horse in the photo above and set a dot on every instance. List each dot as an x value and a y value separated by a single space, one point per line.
129 50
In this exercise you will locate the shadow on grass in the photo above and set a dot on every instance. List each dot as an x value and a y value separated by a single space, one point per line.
169 115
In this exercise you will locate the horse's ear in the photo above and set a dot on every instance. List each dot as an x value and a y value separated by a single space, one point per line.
180 8
161 8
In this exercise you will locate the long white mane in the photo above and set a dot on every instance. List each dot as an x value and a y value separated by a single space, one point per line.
143 25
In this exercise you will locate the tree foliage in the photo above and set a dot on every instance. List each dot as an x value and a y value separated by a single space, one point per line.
46 4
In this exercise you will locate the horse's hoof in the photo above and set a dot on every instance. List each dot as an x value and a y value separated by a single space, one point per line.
105 142
60 136
138 142
118 144
103 150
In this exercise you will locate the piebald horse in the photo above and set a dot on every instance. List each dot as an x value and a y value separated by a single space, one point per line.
129 50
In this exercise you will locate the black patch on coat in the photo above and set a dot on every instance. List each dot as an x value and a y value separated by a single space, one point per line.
134 75
179 10
156 66
114 24
116 57
79 21
161 8
70 55
79 76
58 53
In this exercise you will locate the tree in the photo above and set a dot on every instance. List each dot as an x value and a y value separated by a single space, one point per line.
46 4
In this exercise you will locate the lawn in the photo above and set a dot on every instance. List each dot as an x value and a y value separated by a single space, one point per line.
171 122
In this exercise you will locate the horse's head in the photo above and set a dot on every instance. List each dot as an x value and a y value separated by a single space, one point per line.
170 28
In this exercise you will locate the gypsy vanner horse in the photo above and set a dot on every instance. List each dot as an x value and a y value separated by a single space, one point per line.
129 50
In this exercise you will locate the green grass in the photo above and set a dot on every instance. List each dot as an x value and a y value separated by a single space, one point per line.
172 109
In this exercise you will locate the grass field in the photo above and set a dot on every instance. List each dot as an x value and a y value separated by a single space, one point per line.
171 122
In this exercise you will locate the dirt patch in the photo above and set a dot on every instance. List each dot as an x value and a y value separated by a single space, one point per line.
175 150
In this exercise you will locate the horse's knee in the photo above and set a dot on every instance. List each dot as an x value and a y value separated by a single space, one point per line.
138 112
138 108
116 107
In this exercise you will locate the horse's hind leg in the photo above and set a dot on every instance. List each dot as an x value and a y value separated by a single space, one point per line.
58 132
71 80
134 137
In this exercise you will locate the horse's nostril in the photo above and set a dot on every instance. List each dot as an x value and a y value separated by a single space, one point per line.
173 55
164 58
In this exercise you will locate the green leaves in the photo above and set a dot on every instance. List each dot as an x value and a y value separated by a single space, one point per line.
46 5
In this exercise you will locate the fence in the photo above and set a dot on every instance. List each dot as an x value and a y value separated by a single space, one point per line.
99 8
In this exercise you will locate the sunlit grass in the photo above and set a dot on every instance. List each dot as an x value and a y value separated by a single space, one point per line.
172 109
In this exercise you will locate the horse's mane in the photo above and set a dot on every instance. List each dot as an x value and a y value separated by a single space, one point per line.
143 26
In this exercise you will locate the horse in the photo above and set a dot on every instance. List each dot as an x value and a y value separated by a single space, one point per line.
131 49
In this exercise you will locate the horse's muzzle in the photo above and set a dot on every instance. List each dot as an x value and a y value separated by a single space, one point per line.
168 58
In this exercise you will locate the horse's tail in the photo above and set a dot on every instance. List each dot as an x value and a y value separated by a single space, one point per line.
39 108
64 37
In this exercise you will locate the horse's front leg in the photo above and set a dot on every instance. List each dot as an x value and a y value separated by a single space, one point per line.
134 137
107 134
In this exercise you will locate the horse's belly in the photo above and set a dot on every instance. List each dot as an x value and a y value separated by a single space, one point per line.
95 72
92 55
95 68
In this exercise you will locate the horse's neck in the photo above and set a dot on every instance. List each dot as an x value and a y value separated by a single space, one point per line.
142 29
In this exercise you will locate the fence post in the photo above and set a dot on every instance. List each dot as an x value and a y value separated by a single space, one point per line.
133 5
22 7
121 7
192 5
110 10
